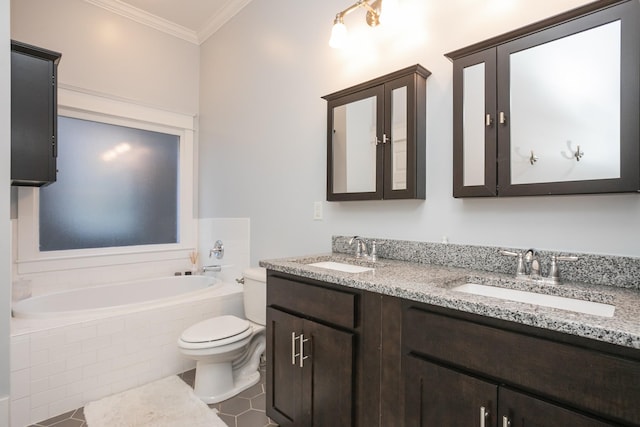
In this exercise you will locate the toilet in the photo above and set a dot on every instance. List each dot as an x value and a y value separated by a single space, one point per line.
227 349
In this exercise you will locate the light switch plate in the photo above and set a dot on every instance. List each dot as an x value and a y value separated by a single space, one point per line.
317 211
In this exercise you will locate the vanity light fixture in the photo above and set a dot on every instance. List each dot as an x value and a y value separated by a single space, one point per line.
339 30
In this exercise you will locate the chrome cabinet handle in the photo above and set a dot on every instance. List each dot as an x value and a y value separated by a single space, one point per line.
505 421
502 118
488 121
293 348
301 354
484 414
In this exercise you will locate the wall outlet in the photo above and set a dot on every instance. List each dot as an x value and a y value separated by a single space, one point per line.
317 211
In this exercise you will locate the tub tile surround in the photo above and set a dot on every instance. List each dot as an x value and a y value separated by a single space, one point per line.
426 272
57 368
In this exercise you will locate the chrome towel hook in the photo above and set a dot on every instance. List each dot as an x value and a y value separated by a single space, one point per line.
578 154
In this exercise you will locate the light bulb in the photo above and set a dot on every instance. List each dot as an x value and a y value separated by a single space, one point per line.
338 35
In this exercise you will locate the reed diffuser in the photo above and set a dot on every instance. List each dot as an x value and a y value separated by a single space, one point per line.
193 257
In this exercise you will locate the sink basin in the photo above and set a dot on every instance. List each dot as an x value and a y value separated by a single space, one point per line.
563 303
339 266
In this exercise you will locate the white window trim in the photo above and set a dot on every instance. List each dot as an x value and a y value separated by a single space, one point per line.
81 105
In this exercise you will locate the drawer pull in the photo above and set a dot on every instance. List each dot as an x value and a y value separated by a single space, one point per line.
484 414
505 421
301 354
293 348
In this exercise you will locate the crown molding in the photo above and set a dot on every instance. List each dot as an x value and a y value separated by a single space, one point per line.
148 19
228 11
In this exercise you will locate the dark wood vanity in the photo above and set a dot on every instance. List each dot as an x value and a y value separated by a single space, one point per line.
376 138
463 370
551 108
343 356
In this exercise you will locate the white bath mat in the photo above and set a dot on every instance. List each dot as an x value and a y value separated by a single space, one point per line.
164 403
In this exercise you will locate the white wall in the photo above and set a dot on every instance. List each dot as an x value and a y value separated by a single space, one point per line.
109 54
5 235
263 133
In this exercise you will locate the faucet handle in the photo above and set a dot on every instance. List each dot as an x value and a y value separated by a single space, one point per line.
520 268
554 272
374 254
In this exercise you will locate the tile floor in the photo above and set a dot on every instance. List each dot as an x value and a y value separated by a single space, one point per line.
244 410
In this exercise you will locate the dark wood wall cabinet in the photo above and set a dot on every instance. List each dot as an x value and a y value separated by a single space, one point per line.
33 115
477 372
376 136
551 108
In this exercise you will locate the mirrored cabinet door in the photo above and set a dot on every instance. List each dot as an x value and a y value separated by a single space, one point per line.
404 138
376 138
569 127
475 127
356 123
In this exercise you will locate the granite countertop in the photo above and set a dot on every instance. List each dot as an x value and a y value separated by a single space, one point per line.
432 284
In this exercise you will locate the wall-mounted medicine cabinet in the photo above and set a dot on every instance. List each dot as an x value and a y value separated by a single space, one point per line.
376 138
551 108
33 115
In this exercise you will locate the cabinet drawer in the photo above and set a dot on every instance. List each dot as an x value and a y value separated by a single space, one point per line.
329 305
587 379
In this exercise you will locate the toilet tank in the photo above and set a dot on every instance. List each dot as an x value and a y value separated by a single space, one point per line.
255 294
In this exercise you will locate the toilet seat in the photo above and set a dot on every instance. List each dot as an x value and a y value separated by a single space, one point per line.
215 332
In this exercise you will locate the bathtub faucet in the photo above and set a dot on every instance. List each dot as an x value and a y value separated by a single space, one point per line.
213 268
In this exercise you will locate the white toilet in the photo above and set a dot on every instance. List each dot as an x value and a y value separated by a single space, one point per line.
227 349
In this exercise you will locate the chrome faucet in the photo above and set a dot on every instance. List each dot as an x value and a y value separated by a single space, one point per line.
529 265
532 262
361 246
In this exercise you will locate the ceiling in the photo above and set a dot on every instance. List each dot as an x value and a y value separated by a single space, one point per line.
192 20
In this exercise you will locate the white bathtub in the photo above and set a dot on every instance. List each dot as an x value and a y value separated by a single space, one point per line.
115 298
73 347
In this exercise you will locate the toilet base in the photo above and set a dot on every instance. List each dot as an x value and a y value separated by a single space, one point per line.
227 382
221 380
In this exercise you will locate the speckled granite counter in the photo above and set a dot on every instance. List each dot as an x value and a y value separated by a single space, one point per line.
432 284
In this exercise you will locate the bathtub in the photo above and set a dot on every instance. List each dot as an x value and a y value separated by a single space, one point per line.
115 298
70 348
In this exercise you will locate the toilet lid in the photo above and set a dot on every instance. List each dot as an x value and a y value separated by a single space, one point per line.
216 328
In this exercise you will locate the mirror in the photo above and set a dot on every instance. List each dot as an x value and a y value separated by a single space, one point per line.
399 138
354 146
473 78
565 108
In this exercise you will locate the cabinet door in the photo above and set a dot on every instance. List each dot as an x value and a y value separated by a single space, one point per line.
570 131
519 410
284 376
437 396
475 125
404 138
33 115
354 155
328 376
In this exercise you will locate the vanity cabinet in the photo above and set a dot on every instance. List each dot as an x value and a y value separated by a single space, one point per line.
551 108
465 370
315 353
376 138
439 396
33 115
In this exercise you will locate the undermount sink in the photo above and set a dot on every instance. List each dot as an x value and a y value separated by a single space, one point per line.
339 266
563 303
